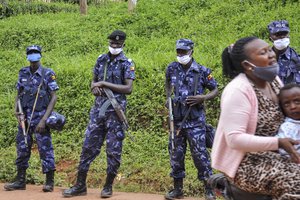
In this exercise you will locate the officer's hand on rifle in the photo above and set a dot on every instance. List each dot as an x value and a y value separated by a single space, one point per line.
96 88
99 84
41 127
17 114
97 91
194 100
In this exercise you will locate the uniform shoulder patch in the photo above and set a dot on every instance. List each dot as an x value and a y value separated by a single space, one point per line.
132 68
209 77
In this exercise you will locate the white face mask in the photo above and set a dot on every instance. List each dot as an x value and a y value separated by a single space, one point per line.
184 59
115 51
281 43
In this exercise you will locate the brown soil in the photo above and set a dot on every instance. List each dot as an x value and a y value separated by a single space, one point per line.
34 192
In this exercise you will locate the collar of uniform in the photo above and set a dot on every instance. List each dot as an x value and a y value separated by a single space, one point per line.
194 66
287 53
39 70
121 56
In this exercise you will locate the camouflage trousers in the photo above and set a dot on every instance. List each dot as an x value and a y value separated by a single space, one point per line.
99 130
196 139
45 148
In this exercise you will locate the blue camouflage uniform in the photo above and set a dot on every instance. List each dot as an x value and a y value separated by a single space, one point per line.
193 129
289 66
289 61
27 86
107 127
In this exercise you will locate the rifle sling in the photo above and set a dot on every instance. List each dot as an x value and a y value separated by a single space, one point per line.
36 97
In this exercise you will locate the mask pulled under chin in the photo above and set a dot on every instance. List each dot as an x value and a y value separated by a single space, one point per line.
34 57
268 73
115 51
184 59
281 43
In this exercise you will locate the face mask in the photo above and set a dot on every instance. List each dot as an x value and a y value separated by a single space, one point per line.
266 73
281 43
184 59
34 57
115 51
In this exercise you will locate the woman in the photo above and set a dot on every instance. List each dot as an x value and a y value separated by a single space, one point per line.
244 146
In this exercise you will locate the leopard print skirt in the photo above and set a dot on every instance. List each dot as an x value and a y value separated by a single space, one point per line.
268 172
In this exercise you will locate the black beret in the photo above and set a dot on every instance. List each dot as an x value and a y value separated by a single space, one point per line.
117 35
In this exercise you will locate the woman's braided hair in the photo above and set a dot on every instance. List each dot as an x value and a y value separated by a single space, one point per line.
232 57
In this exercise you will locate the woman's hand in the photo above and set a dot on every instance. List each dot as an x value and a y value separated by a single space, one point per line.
288 145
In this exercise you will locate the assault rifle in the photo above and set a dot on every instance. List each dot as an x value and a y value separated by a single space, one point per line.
118 109
21 119
171 122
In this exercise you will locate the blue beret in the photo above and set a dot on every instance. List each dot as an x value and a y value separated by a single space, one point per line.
56 121
185 44
278 26
117 35
33 48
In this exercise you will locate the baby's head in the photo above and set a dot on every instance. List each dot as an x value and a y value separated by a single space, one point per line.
289 99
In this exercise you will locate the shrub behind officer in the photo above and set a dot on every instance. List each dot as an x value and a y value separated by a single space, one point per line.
287 58
30 78
189 81
116 72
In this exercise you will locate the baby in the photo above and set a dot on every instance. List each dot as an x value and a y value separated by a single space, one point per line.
289 98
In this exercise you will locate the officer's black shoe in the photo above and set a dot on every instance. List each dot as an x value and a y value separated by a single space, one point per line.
20 182
79 188
49 184
106 192
174 194
107 188
177 192
209 193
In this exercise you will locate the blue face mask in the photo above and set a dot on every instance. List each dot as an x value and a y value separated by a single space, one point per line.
34 57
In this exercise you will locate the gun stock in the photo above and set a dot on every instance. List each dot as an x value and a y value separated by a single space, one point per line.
21 119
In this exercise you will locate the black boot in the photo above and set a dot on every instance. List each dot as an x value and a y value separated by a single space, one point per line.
177 192
107 188
20 181
79 188
49 184
209 193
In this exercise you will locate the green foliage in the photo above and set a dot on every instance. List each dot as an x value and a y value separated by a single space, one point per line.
71 44
12 8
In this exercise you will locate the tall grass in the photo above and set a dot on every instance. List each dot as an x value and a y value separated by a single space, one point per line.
71 44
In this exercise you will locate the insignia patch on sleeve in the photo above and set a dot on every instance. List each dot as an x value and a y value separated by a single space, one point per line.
209 77
53 77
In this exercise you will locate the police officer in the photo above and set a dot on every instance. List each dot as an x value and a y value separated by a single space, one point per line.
288 59
36 113
187 81
116 72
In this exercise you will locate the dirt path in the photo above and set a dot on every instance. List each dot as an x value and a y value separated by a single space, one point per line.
34 192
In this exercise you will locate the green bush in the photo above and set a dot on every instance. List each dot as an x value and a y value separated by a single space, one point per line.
71 44
12 8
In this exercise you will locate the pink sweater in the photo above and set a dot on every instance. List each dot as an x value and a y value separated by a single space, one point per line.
236 127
